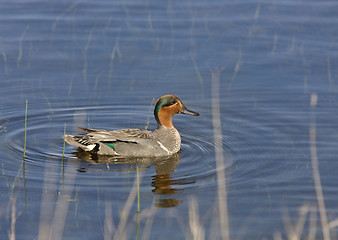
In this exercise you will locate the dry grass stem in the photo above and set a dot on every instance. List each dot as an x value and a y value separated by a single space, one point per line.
258 8
47 201
70 8
109 226
47 214
197 70
294 230
218 142
277 236
196 228
18 61
313 224
316 175
121 232
149 223
62 204
4 56
329 75
11 233
85 61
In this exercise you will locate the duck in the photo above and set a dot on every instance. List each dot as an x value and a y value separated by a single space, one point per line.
163 141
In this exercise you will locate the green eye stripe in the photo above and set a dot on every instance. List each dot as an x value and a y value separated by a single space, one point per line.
162 103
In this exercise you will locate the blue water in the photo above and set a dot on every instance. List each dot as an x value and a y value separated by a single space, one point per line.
103 64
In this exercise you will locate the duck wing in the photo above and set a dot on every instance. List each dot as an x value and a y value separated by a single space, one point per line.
124 135
126 142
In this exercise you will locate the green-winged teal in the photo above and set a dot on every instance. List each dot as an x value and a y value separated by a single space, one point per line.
164 141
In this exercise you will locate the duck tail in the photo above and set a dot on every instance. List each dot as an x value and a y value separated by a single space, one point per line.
81 142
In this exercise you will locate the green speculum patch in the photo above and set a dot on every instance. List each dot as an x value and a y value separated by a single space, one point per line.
109 144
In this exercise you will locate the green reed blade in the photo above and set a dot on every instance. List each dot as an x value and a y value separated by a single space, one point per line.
138 189
64 142
25 140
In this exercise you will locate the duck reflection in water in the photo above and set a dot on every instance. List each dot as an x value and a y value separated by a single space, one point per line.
162 182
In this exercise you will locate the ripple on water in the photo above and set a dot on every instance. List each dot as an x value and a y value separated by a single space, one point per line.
264 151
193 167
245 159
248 145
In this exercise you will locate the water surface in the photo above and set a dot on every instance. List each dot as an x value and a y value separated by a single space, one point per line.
103 64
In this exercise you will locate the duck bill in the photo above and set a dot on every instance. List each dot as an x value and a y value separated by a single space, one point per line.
189 112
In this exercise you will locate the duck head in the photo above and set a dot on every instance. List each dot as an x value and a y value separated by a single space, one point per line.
166 107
